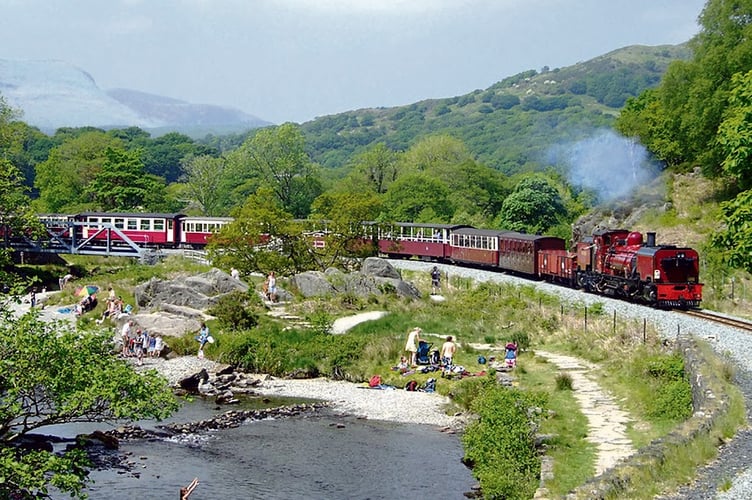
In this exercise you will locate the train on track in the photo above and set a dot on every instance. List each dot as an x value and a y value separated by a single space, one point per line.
612 262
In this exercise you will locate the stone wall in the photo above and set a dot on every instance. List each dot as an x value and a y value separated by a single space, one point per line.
710 403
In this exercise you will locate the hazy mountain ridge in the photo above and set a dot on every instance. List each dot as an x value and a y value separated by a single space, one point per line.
52 94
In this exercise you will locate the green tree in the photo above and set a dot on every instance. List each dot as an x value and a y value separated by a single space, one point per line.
734 240
262 238
691 99
278 157
63 178
346 236
52 375
418 197
122 184
534 206
377 166
735 132
205 176
436 151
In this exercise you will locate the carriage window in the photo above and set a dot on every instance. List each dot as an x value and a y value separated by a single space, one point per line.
106 220
159 224
170 224
120 223
132 224
145 224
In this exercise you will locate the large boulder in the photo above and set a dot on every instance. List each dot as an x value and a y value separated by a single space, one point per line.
377 277
375 266
312 284
195 292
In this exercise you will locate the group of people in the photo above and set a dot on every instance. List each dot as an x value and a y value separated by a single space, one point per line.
446 354
139 343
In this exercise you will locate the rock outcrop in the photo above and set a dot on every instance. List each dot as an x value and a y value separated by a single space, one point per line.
195 292
376 277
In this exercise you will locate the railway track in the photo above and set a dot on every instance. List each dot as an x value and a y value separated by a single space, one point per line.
717 318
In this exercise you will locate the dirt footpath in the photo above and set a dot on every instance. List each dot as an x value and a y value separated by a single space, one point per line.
606 421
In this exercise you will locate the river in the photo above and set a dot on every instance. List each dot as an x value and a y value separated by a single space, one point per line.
320 456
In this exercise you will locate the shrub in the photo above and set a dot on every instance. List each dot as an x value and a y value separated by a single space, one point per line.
564 382
501 445
321 322
233 312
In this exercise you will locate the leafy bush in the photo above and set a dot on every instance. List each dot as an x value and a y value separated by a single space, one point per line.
500 444
673 401
233 312
269 349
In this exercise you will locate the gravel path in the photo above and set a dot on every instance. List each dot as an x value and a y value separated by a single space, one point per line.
735 458
607 428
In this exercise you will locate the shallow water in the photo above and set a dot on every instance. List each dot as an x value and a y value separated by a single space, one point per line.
298 458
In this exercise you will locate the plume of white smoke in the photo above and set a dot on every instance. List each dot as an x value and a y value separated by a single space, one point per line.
608 164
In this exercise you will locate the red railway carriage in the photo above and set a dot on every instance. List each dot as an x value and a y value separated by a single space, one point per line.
411 239
558 266
148 229
518 252
196 231
475 246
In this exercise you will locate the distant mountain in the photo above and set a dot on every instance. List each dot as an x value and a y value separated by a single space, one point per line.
53 94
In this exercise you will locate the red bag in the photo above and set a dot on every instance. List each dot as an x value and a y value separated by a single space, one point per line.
375 381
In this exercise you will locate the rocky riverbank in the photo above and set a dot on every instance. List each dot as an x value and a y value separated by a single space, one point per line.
343 397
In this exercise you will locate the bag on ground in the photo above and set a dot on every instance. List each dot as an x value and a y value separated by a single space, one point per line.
374 381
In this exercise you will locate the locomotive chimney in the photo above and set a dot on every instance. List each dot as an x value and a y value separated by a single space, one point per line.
651 240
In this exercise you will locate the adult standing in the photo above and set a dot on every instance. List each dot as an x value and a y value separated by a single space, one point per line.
435 280
411 347
158 346
447 353
271 283
126 333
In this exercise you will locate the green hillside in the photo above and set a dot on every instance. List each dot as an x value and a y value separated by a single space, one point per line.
510 125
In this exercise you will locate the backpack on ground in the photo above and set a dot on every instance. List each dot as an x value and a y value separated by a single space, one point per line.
411 386
374 381
430 385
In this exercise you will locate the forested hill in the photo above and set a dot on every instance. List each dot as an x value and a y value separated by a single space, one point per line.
510 125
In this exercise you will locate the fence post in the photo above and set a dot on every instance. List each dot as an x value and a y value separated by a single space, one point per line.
644 330
585 318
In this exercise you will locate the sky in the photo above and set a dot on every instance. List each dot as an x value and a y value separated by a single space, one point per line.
295 60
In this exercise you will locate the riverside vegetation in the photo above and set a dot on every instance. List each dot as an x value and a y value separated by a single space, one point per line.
500 442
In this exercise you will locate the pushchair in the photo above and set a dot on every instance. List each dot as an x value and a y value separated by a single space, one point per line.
425 356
